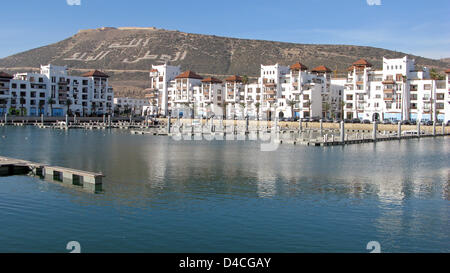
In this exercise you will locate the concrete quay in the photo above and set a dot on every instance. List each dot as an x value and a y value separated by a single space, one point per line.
89 181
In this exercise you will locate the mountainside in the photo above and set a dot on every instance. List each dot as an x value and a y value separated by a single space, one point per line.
127 54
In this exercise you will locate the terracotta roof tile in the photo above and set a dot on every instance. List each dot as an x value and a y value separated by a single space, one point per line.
189 75
5 75
447 71
95 73
211 80
362 62
299 66
234 78
321 69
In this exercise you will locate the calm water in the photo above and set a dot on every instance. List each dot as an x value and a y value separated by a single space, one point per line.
162 195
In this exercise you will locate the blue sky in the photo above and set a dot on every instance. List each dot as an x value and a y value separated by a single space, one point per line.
417 27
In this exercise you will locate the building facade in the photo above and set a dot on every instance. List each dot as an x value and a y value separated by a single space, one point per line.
280 91
397 92
133 105
157 94
53 92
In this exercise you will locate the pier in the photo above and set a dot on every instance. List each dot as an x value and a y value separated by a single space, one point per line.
297 133
89 181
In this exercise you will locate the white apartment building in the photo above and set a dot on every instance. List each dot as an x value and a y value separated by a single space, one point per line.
447 95
280 91
53 92
157 95
397 92
136 106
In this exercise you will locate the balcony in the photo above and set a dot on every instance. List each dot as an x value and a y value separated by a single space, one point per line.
270 92
388 81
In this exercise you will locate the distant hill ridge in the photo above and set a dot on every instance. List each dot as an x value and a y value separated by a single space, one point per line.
127 53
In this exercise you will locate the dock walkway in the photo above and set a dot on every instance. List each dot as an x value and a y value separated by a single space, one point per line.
88 180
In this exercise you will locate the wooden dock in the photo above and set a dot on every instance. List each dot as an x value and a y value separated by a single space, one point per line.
90 181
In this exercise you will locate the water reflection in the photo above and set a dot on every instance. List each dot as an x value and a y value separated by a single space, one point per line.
156 187
141 167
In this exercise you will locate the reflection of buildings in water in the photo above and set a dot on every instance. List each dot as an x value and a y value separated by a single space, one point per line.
396 218
446 186
154 158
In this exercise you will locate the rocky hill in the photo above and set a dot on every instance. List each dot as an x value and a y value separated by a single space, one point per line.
128 53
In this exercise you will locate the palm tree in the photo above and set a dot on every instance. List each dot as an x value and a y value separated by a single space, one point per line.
342 103
291 104
51 101
257 105
41 106
225 106
245 79
68 104
94 108
242 104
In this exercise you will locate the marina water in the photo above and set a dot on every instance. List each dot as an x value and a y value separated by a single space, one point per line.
162 195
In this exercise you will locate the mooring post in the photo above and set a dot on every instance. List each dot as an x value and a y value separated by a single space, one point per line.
246 124
300 125
418 129
374 131
342 132
6 118
103 119
399 129
42 119
109 121
321 126
443 128
169 121
67 120
211 124
434 127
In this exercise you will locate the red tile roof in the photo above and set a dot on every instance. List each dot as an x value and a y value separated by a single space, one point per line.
447 71
154 70
5 75
321 69
234 78
299 66
95 73
362 62
189 75
211 80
